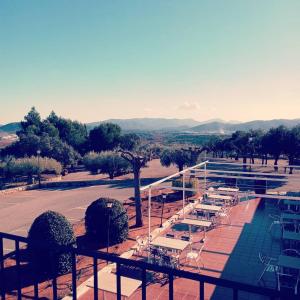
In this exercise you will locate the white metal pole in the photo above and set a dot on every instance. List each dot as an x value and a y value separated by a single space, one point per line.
149 215
183 194
205 177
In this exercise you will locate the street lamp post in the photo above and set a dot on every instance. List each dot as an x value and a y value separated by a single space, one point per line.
38 152
108 206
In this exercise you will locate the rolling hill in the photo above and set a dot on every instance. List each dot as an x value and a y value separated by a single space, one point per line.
10 127
226 128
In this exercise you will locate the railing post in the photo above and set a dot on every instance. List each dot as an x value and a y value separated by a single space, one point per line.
74 275
54 279
119 295
95 265
144 282
2 277
235 294
201 290
171 287
17 249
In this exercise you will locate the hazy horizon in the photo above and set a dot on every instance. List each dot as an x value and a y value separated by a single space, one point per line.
93 60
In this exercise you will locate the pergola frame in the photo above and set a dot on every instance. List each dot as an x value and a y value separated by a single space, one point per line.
202 167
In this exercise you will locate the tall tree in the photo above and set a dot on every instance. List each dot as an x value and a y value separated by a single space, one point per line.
275 141
137 162
105 137
177 157
292 145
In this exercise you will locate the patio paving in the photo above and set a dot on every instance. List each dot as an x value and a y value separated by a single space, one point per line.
230 251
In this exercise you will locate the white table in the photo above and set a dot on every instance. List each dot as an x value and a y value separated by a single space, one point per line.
289 262
291 217
168 243
199 223
219 197
108 282
226 189
209 208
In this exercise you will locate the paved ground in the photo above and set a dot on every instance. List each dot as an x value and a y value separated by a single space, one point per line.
18 210
230 252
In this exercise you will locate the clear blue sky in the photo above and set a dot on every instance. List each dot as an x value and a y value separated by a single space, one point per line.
93 60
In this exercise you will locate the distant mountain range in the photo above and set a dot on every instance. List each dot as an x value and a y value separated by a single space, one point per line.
226 128
215 126
10 127
147 124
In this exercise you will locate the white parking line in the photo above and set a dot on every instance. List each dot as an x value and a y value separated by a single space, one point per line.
20 230
79 207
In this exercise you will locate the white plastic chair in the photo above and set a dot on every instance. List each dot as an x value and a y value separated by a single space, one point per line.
225 214
269 264
194 255
276 221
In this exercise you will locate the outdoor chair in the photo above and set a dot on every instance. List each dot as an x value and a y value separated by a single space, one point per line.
269 264
287 280
276 221
170 235
185 238
225 214
141 244
195 255
170 261
291 252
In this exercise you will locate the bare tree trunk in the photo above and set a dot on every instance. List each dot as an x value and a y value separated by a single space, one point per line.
291 162
276 164
244 162
137 198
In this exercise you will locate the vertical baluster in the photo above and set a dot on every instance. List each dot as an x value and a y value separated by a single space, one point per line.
171 288
235 294
201 290
74 275
2 281
144 282
54 277
17 251
119 295
95 278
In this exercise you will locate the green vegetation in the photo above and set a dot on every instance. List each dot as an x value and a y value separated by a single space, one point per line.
107 162
277 142
192 183
29 166
100 218
48 234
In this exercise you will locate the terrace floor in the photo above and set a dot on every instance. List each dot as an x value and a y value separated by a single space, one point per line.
230 251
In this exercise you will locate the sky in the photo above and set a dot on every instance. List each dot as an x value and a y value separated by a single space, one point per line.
202 59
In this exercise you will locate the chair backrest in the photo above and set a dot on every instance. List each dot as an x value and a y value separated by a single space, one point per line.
185 238
291 252
169 235
263 258
200 249
274 217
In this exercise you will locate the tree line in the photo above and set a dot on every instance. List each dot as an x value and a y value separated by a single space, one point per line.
65 140
275 143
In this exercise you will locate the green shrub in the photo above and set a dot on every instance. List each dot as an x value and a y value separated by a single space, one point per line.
192 183
29 166
48 234
107 162
98 216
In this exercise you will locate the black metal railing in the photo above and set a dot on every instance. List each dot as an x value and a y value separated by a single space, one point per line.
170 273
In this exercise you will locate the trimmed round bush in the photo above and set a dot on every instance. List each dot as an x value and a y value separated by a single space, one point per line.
98 217
49 233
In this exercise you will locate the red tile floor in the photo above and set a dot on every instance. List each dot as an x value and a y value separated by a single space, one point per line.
230 251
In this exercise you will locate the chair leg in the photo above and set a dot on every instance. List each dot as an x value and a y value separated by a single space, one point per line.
263 272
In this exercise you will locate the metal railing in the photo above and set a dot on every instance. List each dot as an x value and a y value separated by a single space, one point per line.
171 273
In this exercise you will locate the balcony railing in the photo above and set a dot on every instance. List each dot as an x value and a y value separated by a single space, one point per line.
171 273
